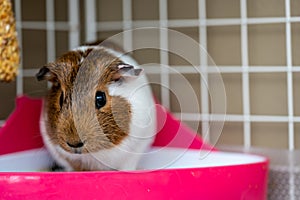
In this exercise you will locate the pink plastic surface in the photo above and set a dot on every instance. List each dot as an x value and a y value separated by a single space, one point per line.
228 183
247 181
21 130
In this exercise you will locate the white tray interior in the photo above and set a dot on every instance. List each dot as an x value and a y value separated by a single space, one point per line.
156 158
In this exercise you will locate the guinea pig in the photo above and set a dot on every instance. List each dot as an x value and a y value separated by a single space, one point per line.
99 113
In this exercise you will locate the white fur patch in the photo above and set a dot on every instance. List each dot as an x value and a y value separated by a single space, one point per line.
143 124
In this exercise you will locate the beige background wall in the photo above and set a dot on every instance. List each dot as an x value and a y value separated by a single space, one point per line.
268 91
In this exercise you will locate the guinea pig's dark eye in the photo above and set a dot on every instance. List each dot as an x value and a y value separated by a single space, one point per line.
100 99
61 99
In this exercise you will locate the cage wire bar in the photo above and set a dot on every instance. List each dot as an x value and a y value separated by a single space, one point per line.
74 23
50 27
90 20
288 42
245 74
291 135
181 23
92 26
18 18
203 67
164 56
127 24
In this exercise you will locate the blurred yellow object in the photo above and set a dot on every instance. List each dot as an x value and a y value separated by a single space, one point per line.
9 49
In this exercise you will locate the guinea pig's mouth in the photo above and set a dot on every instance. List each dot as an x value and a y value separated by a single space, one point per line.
76 150
72 150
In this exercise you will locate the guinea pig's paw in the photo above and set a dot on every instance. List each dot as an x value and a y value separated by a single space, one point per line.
57 168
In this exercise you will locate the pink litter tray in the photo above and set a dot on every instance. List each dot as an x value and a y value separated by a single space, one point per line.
178 166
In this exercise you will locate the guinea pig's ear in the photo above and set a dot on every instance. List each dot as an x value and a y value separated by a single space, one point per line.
126 72
46 73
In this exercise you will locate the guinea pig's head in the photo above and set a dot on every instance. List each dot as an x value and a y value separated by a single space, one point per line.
84 113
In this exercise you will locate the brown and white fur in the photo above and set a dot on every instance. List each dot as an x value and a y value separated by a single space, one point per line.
77 134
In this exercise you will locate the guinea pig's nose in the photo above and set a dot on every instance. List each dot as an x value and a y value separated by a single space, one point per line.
75 144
